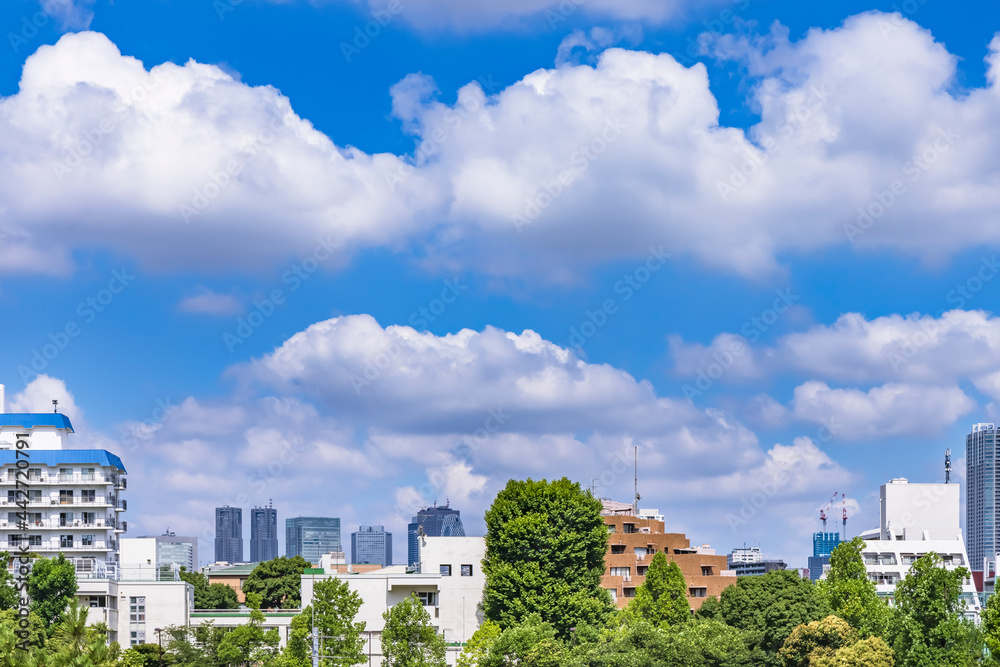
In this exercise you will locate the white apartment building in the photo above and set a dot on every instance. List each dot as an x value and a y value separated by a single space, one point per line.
916 519
449 584
72 498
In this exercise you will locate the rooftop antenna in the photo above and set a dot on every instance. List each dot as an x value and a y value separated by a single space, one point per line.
843 530
593 487
635 461
947 466
55 405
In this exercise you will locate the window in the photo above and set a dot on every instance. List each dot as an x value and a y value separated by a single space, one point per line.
98 601
88 518
65 541
466 570
617 548
87 474
629 528
88 495
428 598
641 570
706 570
699 592
34 474
65 474
34 540
621 571
86 540
137 609
641 552
65 496
446 570
628 592
614 594
65 518
611 529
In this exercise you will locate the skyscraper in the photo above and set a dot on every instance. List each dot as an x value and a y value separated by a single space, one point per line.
981 452
371 544
229 534
311 537
263 534
435 522
823 546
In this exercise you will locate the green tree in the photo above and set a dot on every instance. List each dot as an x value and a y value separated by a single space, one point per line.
334 607
991 629
662 598
36 628
210 596
249 643
810 641
929 629
710 609
870 652
478 646
545 546
195 646
532 643
852 595
8 593
409 639
768 607
51 587
278 582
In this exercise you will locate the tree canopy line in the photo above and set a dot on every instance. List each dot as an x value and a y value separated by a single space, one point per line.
544 607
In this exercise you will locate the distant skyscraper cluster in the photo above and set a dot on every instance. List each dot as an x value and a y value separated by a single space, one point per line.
371 544
432 522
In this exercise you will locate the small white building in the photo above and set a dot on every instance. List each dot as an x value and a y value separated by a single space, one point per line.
916 519
449 584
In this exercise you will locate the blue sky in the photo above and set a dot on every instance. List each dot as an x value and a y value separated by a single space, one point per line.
261 220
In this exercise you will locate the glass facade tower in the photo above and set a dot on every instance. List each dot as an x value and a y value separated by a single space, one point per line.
981 488
311 537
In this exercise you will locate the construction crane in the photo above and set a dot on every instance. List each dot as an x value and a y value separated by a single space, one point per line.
822 512
843 530
947 466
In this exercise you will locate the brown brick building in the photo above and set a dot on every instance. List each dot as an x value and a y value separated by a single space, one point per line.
632 543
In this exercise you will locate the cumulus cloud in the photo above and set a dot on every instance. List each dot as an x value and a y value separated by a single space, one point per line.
889 410
38 395
565 169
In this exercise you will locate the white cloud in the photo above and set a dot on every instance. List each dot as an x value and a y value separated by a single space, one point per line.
886 411
38 395
636 140
205 301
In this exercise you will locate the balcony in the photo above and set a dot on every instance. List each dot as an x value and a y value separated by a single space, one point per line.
57 523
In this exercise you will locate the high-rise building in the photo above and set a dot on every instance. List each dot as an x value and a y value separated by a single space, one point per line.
311 537
982 453
371 544
434 522
823 546
57 499
229 534
263 534
750 561
163 550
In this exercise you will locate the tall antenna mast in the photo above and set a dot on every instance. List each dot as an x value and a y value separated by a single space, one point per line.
947 466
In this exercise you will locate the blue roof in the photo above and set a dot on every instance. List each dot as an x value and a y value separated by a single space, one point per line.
56 457
33 419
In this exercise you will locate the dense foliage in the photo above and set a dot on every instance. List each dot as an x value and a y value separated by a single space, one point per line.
210 596
545 546
278 582
409 639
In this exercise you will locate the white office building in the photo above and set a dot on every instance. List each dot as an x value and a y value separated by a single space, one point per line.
916 519
449 584
164 551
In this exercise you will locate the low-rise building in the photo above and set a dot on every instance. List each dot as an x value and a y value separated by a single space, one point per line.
632 543
750 561
914 520
449 583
